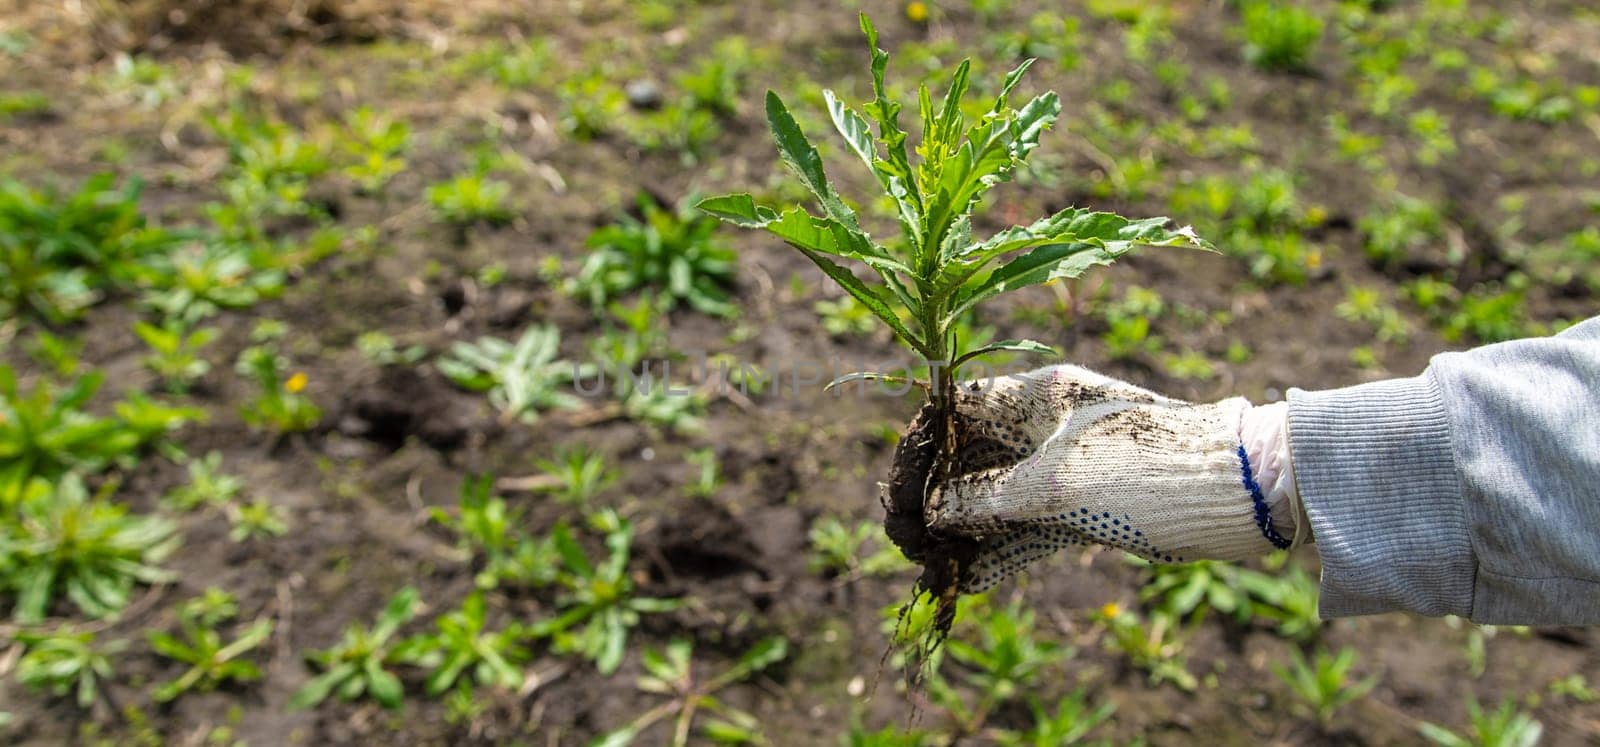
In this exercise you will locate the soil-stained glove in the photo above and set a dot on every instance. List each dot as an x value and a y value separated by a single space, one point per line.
1101 460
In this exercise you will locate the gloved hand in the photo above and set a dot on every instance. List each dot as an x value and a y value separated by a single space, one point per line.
1101 460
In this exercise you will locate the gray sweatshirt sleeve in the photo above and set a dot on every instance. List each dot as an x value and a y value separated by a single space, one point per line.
1472 489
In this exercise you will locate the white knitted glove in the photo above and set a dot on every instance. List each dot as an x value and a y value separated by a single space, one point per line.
1094 459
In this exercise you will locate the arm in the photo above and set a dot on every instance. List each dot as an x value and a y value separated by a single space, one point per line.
1472 489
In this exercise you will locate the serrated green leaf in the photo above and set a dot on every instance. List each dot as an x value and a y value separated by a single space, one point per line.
868 296
803 159
1082 239
739 209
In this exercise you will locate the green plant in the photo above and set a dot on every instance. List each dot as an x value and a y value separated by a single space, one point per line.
461 646
59 253
1148 647
708 473
670 672
1365 305
590 105
1506 726
938 271
271 168
1287 599
470 198
598 606
576 474
1072 720
521 378
1279 35
355 666
258 518
836 549
1129 336
46 432
1432 131
672 251
89 549
1393 232
175 353
1004 657
1576 687
717 80
208 485
63 661
60 354
486 524
377 346
1488 313
194 281
845 317
888 736
211 662
1189 364
281 404
1324 683
377 146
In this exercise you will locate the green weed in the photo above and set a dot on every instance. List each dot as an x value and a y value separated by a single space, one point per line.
472 198
837 549
669 672
356 665
1148 645
1324 683
598 605
208 485
938 270
377 147
1395 231
280 404
258 518
62 662
175 353
1072 720
1279 35
211 661
61 541
461 648
486 525
1506 726
671 251
521 379
60 253
845 317
575 475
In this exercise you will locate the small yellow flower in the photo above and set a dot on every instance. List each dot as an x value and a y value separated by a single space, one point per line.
1316 215
1110 610
296 383
917 12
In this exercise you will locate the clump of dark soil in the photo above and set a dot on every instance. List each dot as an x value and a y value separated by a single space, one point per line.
917 468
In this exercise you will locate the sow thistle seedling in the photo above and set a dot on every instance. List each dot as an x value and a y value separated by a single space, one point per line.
462 648
58 540
485 525
670 672
521 378
356 666
598 605
63 662
211 660
937 270
1323 683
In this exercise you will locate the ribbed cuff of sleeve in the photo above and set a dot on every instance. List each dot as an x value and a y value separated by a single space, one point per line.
1378 478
